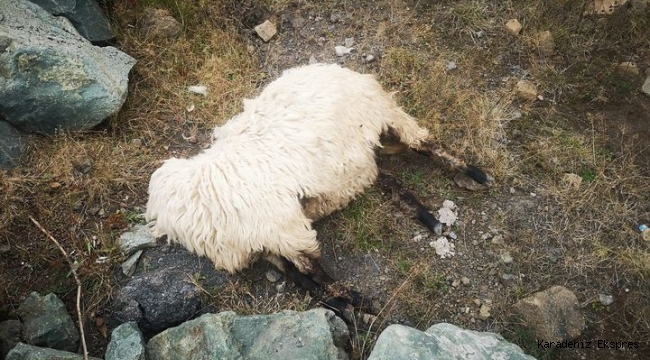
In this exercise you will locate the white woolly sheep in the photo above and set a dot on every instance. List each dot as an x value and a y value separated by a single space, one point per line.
304 148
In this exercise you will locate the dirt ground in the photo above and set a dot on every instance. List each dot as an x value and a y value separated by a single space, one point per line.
454 67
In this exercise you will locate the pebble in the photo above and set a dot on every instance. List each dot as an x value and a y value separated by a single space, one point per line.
370 58
465 280
272 276
266 30
606 299
349 42
455 283
452 65
484 312
497 240
506 258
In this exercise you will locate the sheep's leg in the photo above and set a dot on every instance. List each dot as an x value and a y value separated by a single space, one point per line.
312 281
430 148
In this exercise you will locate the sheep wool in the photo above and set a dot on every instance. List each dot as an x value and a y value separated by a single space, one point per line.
301 150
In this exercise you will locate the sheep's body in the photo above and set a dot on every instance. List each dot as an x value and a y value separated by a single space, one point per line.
301 150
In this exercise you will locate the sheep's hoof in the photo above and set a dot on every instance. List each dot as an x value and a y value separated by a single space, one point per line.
478 175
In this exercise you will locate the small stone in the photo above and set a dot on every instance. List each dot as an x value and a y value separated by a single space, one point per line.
465 280
138 238
273 276
628 67
46 323
484 312
455 283
513 26
342 50
266 30
646 86
126 343
486 236
606 299
137 143
452 235
508 279
312 60
370 58
497 240
250 49
526 90
466 182
512 191
349 42
160 23
129 266
451 65
506 258
545 43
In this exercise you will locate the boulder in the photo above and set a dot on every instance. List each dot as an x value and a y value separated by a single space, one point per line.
314 334
442 342
51 77
46 323
85 15
12 146
157 301
30 352
126 343
553 314
9 336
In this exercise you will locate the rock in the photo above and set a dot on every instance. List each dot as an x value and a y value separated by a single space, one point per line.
442 341
484 311
129 266
506 258
629 68
312 59
466 182
13 145
46 323
572 180
266 30
447 214
603 7
138 238
513 26
646 86
606 299
451 66
349 42
314 334
9 336
465 280
54 78
126 343
273 276
443 247
553 314
82 164
342 50
369 58
157 301
158 23
545 43
526 90
30 352
85 15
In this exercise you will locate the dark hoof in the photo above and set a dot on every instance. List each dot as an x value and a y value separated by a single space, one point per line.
478 175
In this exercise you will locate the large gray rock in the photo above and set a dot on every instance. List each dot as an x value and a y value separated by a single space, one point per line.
9 336
30 352
85 15
51 77
12 146
157 301
443 342
312 335
126 343
553 314
46 323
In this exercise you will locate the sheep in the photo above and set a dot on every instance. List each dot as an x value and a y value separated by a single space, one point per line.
303 149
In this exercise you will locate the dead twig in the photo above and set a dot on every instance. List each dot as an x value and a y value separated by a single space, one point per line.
76 278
